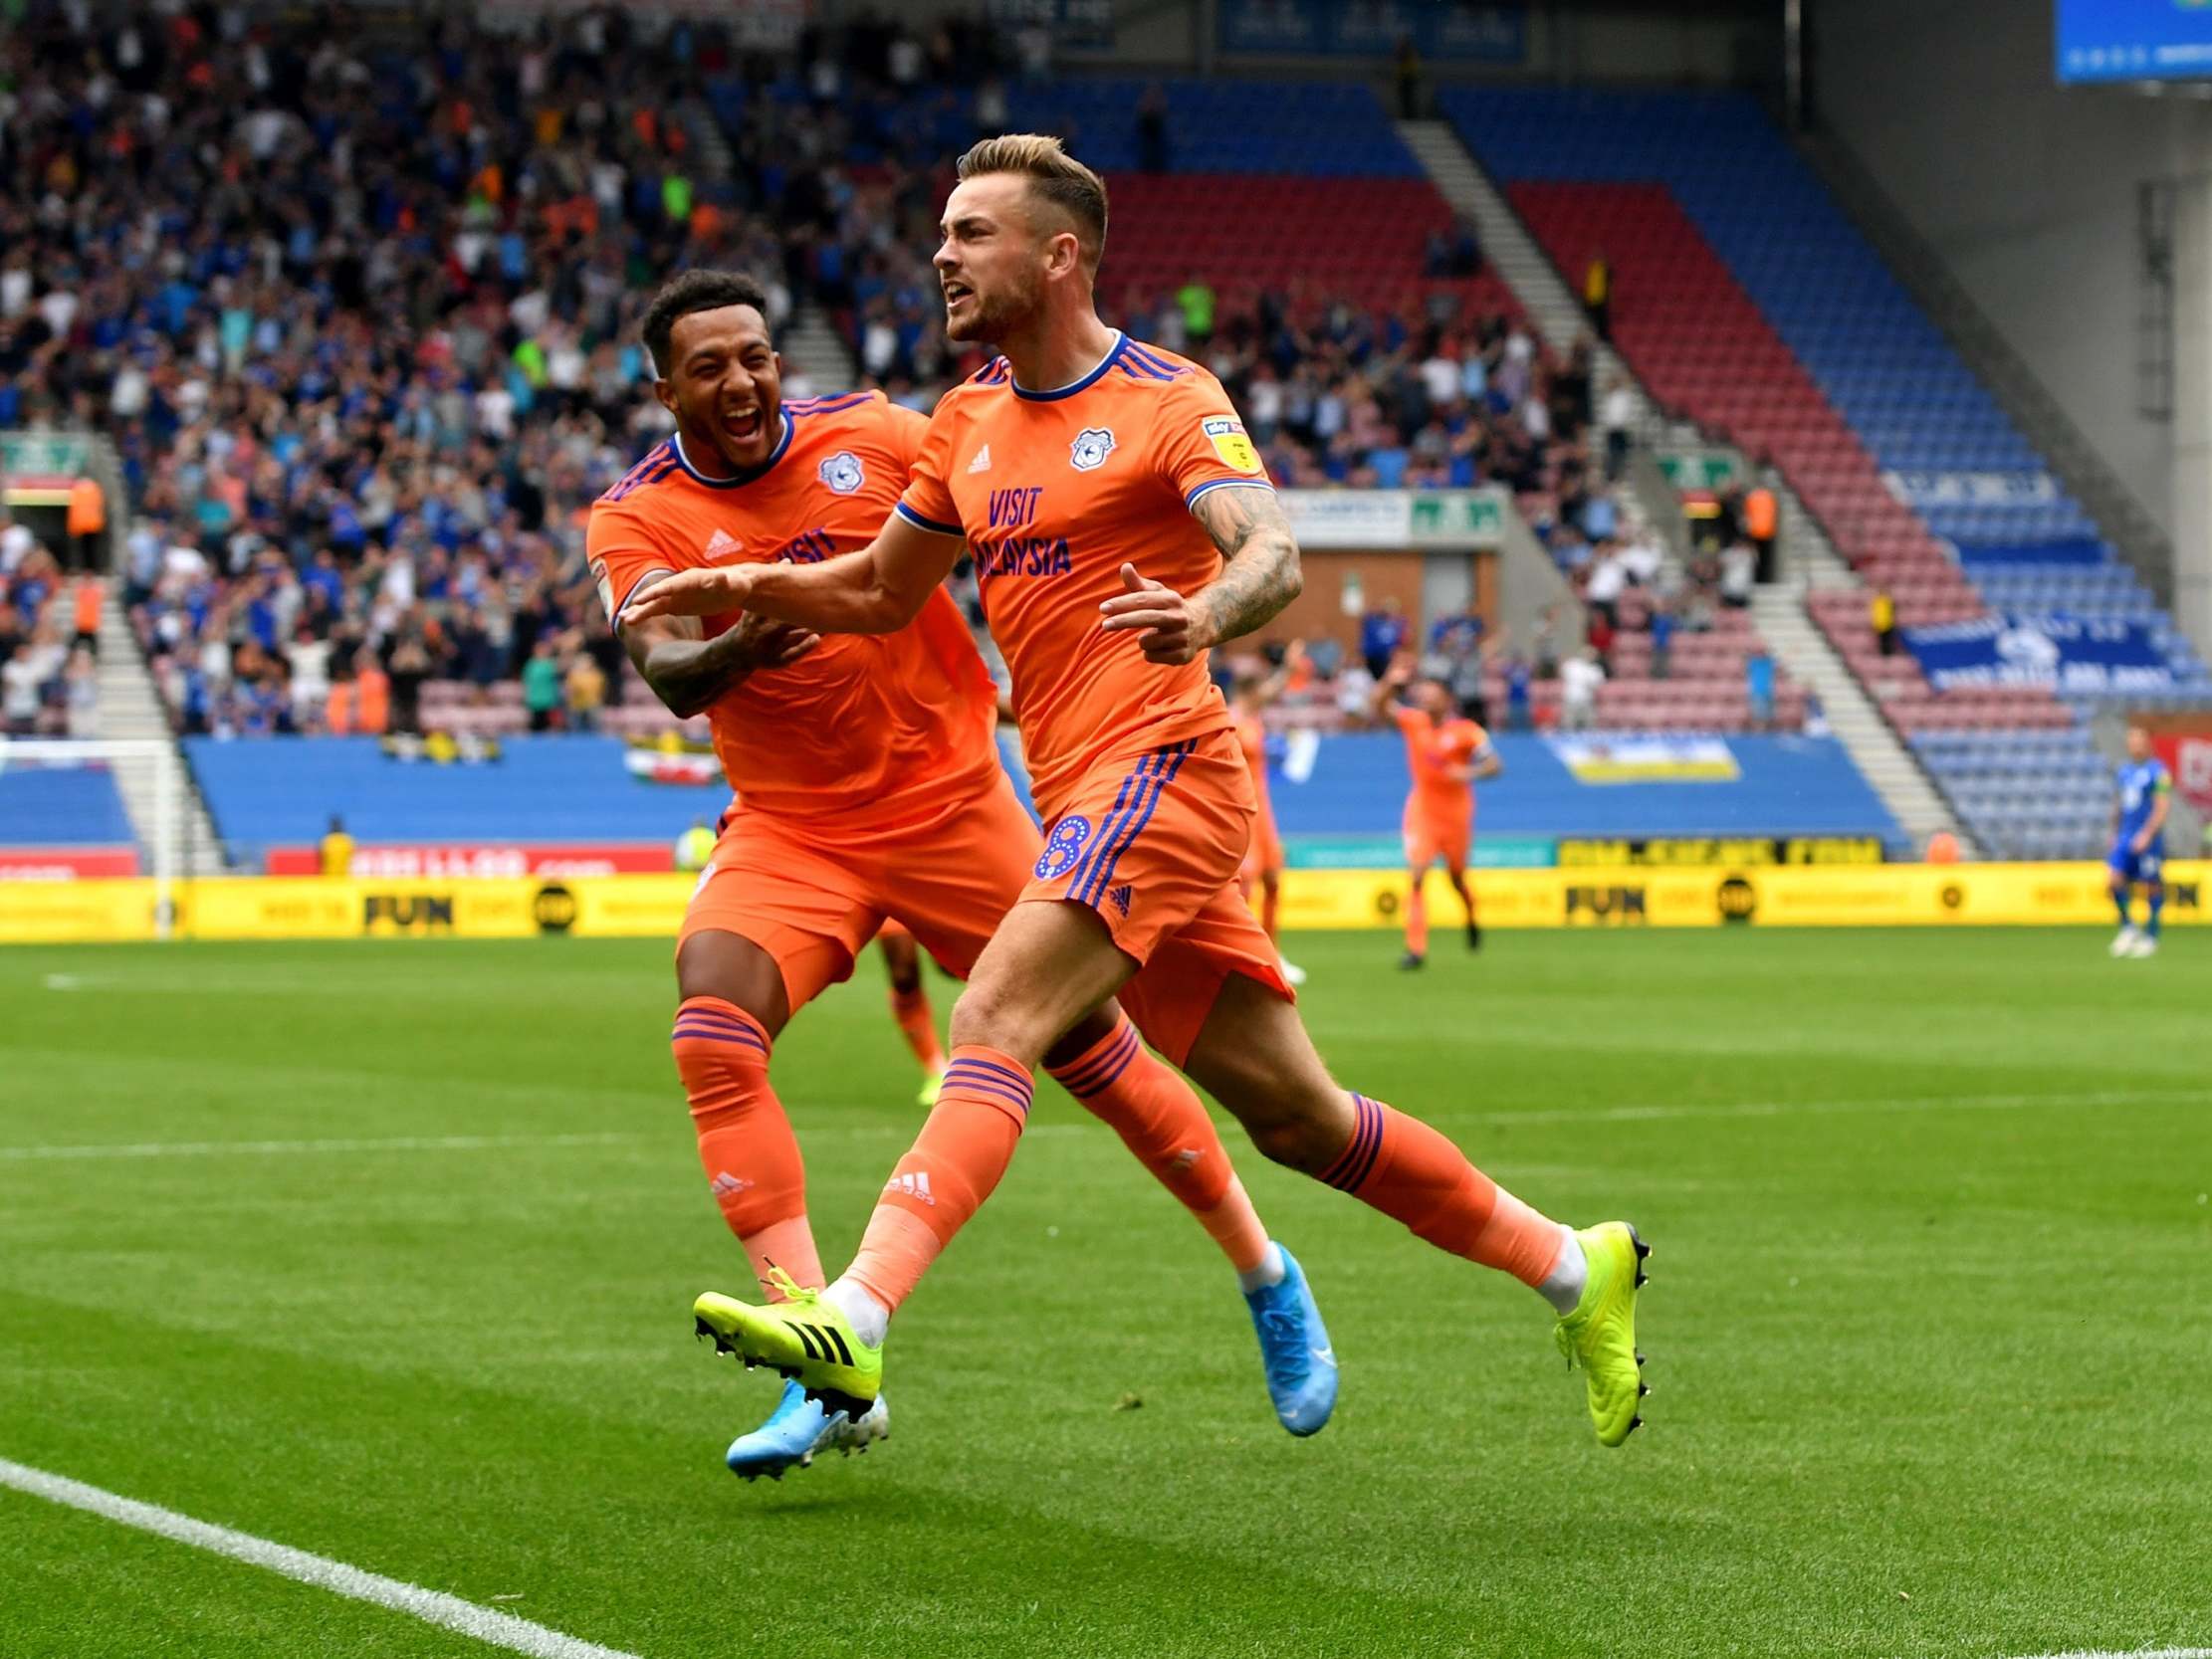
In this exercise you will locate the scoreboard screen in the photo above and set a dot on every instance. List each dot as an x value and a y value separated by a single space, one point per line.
2134 39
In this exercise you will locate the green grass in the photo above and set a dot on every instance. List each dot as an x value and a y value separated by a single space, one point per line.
1930 1325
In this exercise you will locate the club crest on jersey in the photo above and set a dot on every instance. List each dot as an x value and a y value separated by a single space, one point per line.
1091 446
841 472
1063 847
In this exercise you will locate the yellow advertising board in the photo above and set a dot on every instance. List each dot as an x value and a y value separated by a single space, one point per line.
650 906
1817 896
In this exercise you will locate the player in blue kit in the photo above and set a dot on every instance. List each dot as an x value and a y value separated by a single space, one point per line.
2139 852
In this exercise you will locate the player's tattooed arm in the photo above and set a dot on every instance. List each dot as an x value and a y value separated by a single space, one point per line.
688 671
877 590
1259 552
1259 575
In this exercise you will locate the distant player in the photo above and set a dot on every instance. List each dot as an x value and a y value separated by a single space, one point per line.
1448 756
1263 859
2139 852
910 1008
1122 525
869 790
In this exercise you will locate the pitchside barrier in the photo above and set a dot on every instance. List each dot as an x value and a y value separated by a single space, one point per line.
644 906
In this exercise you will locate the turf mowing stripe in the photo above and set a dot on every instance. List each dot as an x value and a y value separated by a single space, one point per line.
497 1630
1791 1108
267 1148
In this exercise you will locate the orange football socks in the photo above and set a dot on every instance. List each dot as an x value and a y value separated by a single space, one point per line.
1160 1120
918 1022
1416 921
956 1162
1411 1173
744 1140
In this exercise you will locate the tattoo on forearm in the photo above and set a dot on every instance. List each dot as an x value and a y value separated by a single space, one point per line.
689 674
1259 574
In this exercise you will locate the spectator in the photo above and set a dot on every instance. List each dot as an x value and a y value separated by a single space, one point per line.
1663 642
1455 660
1758 685
1382 635
1882 612
1596 294
1605 582
1152 130
1195 302
22 692
1517 713
1618 416
16 542
87 522
335 853
80 695
1601 636
541 689
1545 643
586 690
1738 565
1762 519
85 605
308 659
1580 675
1405 68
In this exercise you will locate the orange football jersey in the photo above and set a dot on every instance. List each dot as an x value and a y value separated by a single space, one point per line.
869 728
1053 491
1431 746
1251 737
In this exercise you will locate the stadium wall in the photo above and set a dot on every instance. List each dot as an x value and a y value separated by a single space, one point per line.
2028 191
646 907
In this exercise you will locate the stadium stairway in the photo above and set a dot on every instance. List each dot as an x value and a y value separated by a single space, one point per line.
813 347
1754 302
1545 295
131 707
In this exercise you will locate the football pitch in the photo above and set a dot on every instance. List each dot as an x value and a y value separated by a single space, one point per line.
384 1252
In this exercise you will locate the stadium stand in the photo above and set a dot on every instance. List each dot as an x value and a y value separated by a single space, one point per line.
1749 303
352 511
71 810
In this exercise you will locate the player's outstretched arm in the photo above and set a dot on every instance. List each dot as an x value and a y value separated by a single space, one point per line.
877 590
688 671
1260 576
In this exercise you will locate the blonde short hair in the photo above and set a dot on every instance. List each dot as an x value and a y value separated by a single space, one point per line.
1053 174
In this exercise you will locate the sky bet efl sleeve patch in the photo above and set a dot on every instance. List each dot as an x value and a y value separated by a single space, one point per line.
1230 443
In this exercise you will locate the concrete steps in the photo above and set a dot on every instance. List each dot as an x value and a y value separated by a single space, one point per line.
1808 560
130 708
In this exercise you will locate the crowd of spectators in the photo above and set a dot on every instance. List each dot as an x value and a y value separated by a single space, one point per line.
49 641
356 302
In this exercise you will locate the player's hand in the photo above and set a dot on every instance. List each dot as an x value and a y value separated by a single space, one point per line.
2141 843
767 643
691 593
1173 630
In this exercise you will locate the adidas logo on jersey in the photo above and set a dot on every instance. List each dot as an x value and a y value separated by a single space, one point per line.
721 545
914 1184
1121 896
982 463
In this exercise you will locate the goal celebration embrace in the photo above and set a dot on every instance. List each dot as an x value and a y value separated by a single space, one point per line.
1121 524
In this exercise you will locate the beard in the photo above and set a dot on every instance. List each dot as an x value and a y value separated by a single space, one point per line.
994 317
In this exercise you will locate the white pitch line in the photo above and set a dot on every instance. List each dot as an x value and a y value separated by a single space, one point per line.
268 1148
497 1630
2130 1653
